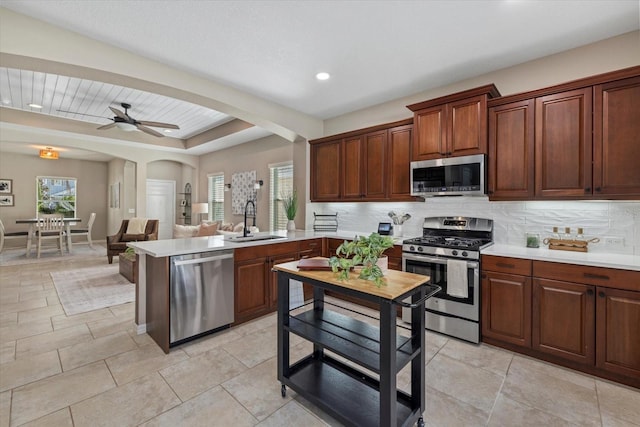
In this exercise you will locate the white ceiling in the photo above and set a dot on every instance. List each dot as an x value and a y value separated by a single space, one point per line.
376 51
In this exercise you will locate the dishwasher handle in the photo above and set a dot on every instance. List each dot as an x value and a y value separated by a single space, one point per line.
203 260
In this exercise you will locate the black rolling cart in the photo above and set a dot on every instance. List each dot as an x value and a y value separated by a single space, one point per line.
349 394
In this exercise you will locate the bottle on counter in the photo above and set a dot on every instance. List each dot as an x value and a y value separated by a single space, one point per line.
555 234
580 234
567 234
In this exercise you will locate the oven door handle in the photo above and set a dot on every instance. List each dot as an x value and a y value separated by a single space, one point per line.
436 260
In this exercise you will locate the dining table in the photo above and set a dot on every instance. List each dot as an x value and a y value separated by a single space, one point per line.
68 222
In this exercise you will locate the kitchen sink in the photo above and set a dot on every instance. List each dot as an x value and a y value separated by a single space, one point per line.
255 238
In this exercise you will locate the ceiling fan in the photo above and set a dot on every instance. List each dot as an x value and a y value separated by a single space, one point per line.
125 122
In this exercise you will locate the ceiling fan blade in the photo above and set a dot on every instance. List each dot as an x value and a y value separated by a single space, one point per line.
109 126
149 131
159 124
120 114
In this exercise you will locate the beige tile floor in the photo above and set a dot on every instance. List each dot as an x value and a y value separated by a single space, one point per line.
92 369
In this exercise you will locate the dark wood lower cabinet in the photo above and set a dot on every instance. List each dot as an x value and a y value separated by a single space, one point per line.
564 320
251 290
506 308
618 331
583 317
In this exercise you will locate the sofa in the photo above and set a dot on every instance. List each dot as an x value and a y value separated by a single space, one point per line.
117 243
209 228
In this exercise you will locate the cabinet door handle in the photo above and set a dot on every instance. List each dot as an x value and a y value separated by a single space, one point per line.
598 189
601 294
502 264
589 292
484 276
587 190
596 276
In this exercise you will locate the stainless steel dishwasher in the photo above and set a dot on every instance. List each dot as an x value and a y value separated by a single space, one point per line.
201 294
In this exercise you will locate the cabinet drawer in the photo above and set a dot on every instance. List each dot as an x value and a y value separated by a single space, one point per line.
394 251
310 245
282 248
599 276
506 265
252 252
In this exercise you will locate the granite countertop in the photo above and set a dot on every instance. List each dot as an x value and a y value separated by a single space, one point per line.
595 259
191 245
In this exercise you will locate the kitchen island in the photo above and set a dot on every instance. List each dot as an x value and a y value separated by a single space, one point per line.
255 286
348 393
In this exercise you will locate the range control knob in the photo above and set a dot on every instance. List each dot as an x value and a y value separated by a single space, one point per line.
464 253
420 249
454 253
412 248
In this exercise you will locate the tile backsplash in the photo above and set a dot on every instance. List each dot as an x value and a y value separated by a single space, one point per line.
617 224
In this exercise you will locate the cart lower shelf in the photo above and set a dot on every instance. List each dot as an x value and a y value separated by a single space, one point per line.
353 398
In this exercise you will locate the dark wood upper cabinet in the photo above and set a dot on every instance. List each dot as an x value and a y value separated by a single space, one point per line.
616 138
511 151
374 164
563 143
453 125
585 138
399 149
325 170
352 164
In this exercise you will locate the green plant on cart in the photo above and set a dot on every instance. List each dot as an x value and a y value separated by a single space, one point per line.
365 251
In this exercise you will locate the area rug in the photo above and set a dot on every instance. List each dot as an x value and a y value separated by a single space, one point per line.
18 256
92 288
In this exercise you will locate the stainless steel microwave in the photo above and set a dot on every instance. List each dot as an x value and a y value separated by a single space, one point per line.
452 176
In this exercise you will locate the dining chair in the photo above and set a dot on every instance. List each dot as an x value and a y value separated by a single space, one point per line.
85 231
11 235
50 227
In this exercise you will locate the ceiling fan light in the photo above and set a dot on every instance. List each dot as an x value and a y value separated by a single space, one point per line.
127 127
49 154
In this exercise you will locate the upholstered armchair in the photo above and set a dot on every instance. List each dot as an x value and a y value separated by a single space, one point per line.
117 243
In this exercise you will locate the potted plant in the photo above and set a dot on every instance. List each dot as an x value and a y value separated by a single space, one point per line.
363 251
290 203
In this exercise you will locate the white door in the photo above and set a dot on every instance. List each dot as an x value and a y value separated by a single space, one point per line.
161 202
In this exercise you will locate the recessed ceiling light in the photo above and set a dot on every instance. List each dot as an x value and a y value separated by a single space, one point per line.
35 106
322 76
167 131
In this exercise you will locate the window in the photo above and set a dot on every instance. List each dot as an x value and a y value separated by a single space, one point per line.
281 177
56 195
216 196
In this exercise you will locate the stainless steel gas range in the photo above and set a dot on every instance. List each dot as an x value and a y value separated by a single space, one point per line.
449 252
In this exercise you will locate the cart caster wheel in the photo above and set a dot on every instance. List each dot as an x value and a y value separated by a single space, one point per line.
420 422
283 391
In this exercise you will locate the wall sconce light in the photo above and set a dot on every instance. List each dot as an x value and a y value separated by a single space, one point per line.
227 187
258 184
49 154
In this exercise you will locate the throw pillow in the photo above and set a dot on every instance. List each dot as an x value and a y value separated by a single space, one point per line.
226 226
136 226
183 231
239 227
207 230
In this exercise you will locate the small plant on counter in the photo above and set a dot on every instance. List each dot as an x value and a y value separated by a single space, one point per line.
363 251
290 204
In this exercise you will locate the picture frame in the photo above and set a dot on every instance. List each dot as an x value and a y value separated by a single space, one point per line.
6 186
7 200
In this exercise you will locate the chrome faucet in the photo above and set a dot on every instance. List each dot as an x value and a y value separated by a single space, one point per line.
246 230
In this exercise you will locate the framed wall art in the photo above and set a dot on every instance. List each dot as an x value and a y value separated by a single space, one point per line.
242 187
6 186
6 200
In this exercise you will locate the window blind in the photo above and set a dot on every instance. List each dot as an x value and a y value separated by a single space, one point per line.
281 184
216 197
